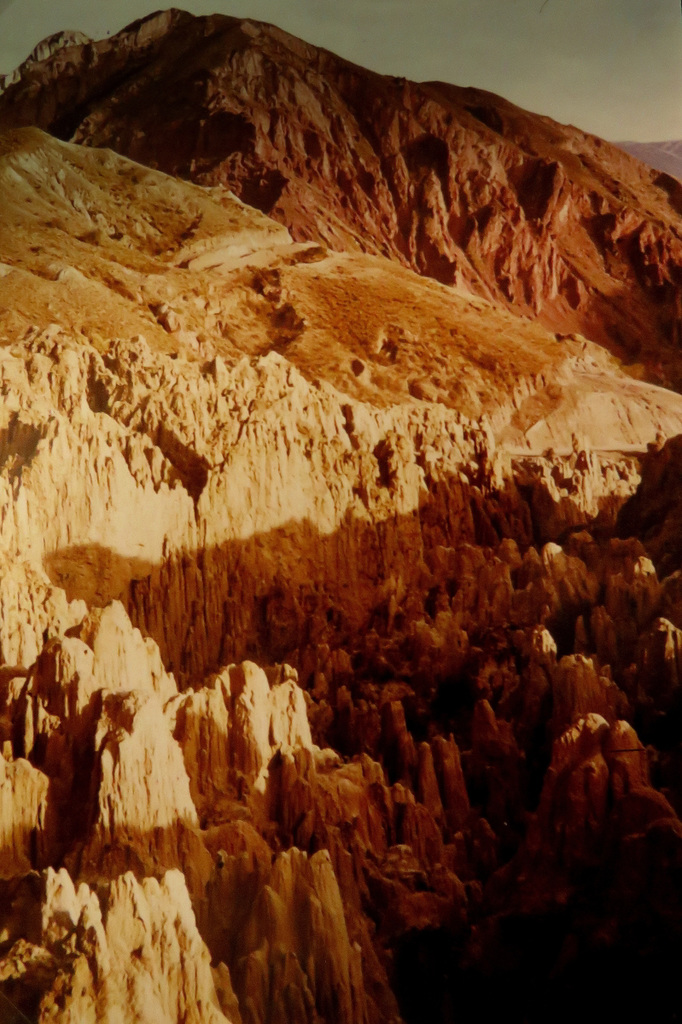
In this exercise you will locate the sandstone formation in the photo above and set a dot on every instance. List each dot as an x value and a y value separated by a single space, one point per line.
457 184
340 616
131 952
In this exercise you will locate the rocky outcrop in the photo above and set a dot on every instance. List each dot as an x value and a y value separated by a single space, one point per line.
325 686
230 731
457 184
129 951
23 793
126 773
45 49
597 780
284 929
566 493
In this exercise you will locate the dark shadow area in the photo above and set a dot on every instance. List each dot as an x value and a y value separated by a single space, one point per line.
672 188
600 952
488 115
18 443
427 152
536 180
286 594
94 574
274 595
625 980
654 512
425 968
192 469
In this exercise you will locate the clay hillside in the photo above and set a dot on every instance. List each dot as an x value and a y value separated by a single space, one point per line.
340 571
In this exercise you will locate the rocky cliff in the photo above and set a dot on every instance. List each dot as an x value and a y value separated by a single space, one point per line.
339 649
456 184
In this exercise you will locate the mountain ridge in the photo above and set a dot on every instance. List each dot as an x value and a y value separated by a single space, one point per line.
459 185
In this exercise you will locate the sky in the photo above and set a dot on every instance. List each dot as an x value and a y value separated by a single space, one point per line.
612 67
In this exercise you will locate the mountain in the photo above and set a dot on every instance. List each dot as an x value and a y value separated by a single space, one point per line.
456 184
664 156
340 614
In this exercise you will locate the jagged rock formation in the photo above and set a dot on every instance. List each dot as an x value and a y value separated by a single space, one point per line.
45 49
328 692
131 952
455 183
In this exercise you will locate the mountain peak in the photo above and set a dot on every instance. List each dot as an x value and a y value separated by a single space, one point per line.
457 184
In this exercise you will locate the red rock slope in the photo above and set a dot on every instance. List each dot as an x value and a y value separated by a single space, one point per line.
456 183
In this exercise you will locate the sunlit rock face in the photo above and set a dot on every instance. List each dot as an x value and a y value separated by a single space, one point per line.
339 610
457 184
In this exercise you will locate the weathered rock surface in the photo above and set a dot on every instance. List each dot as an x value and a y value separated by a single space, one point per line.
325 688
128 952
23 792
287 922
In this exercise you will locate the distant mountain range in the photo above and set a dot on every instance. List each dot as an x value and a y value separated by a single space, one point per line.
663 156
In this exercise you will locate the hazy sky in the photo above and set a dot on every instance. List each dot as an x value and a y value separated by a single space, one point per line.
613 67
